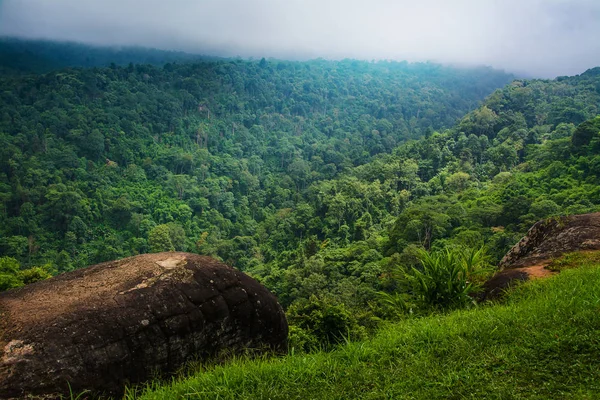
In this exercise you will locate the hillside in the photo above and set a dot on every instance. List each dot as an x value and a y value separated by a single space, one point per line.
374 199
541 344
321 179
97 164
19 56
250 199
519 158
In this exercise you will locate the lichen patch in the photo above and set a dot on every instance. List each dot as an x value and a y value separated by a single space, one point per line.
15 350
172 262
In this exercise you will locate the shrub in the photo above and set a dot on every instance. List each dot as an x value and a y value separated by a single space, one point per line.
12 276
446 279
299 340
35 274
323 322
9 271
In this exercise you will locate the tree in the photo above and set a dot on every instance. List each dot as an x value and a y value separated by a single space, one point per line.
585 132
9 273
167 237
422 223
177 236
159 239
458 181
544 208
93 145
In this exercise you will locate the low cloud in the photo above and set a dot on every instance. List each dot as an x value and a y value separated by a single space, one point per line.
543 38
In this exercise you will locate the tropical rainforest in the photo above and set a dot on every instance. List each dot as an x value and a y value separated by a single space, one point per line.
328 181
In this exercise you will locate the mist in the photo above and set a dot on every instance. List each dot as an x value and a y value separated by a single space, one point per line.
540 38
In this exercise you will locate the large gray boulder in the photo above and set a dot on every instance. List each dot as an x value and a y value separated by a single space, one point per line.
120 322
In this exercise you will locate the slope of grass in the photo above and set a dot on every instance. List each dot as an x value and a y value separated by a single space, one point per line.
544 342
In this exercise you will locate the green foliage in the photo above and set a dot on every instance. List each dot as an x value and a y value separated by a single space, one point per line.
159 239
422 223
300 340
321 321
92 160
41 56
574 260
317 177
64 262
167 237
11 276
448 278
395 305
585 132
9 273
35 274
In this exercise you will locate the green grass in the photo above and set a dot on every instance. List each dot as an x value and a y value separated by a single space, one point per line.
574 260
544 342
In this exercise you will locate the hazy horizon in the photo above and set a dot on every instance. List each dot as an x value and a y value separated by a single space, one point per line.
533 37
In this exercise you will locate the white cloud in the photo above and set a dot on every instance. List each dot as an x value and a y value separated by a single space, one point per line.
540 37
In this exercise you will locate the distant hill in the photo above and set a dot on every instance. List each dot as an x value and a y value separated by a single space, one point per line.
40 56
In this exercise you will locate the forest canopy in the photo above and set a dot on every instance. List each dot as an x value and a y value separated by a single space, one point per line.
325 180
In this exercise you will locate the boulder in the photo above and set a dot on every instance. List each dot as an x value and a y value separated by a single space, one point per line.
122 322
545 241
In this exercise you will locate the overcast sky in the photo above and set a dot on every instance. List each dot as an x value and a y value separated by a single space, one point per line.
543 38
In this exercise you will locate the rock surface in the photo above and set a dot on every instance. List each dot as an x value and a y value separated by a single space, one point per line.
121 322
545 241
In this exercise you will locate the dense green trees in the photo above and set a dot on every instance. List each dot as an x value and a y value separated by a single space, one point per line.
96 161
40 56
320 179
463 188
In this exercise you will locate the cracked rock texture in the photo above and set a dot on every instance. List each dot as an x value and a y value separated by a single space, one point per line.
546 240
120 322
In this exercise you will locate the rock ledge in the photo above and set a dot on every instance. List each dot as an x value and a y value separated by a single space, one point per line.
545 241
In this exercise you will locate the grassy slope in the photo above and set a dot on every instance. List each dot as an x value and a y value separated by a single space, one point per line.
543 343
